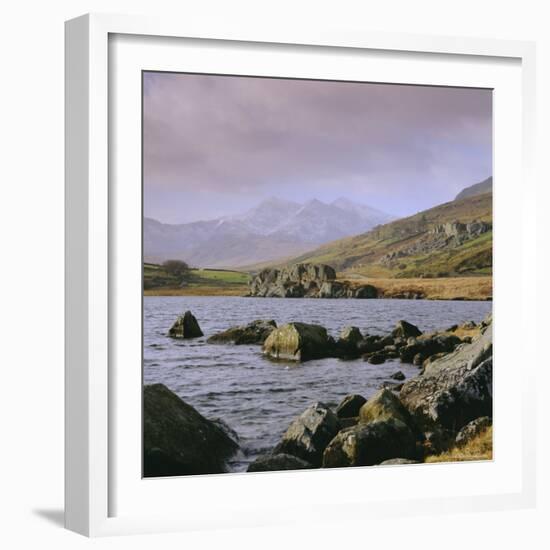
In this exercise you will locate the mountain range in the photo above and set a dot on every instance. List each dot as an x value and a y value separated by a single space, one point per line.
452 239
274 230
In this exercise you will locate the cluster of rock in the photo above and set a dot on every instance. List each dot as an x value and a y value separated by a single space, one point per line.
447 405
305 281
462 230
303 342
447 235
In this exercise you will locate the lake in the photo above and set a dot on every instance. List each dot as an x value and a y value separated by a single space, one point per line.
258 397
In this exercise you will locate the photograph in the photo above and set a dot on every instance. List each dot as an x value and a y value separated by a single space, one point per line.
317 274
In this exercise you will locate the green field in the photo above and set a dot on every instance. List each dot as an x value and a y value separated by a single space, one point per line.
156 281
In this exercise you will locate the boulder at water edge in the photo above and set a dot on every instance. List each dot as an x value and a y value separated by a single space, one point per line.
255 332
309 434
298 342
454 389
186 326
178 440
278 462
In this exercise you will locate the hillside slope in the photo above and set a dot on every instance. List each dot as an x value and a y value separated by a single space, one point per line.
452 239
485 186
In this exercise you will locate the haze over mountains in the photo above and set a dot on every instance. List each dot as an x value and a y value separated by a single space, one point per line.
274 230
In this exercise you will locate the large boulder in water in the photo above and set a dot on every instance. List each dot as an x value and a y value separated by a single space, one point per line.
178 440
185 326
278 462
298 342
454 389
255 332
369 444
309 434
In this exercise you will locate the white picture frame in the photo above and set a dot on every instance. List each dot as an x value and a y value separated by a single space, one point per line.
93 388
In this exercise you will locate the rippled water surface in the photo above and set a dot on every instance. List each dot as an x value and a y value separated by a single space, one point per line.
258 397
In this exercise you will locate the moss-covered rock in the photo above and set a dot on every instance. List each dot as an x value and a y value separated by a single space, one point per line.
383 405
299 342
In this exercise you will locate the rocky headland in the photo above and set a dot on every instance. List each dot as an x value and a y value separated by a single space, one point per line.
306 281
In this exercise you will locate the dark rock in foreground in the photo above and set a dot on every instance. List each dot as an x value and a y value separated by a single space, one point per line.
299 342
278 462
397 376
369 444
309 434
350 406
186 326
178 440
255 332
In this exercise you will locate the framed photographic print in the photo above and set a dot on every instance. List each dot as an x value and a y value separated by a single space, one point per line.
290 271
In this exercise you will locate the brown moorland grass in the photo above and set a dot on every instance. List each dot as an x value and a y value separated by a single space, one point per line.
227 290
479 448
448 288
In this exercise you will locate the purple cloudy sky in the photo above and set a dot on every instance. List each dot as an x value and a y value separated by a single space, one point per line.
218 145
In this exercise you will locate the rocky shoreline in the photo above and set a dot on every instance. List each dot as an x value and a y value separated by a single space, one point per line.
446 405
320 281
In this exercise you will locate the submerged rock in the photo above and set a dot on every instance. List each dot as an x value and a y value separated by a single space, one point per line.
309 434
278 462
299 342
178 440
350 406
185 326
255 332
369 444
